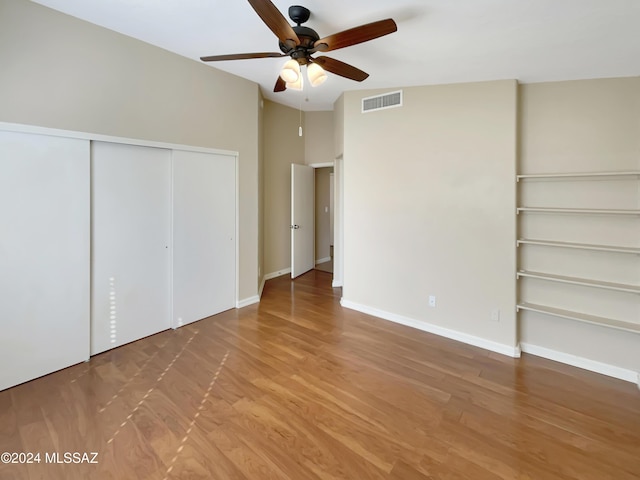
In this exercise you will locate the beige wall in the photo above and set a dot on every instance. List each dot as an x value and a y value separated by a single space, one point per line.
323 228
318 143
338 235
61 72
429 203
588 124
319 146
581 126
282 147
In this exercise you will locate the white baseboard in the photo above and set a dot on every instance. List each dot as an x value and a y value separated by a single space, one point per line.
322 260
501 348
336 283
279 273
261 288
247 301
584 363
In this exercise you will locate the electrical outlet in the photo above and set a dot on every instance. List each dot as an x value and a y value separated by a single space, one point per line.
432 300
495 315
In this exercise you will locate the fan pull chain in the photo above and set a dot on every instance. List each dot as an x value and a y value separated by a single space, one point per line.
300 119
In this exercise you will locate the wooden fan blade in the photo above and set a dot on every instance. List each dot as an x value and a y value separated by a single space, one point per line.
241 56
356 35
281 85
340 68
276 22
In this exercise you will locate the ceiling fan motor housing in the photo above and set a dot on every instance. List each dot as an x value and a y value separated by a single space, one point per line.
307 37
299 14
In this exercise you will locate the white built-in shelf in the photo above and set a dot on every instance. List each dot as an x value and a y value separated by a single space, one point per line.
586 282
578 175
564 178
596 211
579 246
581 317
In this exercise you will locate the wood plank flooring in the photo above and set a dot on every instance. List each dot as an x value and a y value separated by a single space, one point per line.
299 388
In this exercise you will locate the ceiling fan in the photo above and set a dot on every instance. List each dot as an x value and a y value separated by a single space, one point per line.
301 42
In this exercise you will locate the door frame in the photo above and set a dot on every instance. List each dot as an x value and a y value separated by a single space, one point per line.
338 227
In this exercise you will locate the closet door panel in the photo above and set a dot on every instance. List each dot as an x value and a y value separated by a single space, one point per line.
44 255
131 221
204 216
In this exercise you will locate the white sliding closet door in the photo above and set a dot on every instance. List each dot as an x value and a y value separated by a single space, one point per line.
204 214
44 255
131 208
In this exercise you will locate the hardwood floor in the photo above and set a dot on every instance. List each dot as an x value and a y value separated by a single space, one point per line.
325 266
298 388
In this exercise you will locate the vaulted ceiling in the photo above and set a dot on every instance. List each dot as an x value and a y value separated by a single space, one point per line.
438 41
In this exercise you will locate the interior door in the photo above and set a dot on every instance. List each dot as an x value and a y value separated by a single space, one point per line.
44 255
302 219
204 235
130 227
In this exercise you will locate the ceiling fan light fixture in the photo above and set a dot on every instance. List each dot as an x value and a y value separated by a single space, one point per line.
300 42
316 74
297 85
290 72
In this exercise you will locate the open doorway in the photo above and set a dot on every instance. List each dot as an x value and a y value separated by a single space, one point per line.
324 214
328 248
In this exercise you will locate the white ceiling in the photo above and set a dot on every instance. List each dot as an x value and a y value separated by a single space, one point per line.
438 41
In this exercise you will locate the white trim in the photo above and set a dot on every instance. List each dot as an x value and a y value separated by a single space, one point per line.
321 165
247 301
511 351
581 362
237 173
628 173
338 222
322 260
261 288
279 273
172 317
55 132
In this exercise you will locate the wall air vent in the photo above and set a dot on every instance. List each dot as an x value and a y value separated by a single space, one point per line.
382 102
